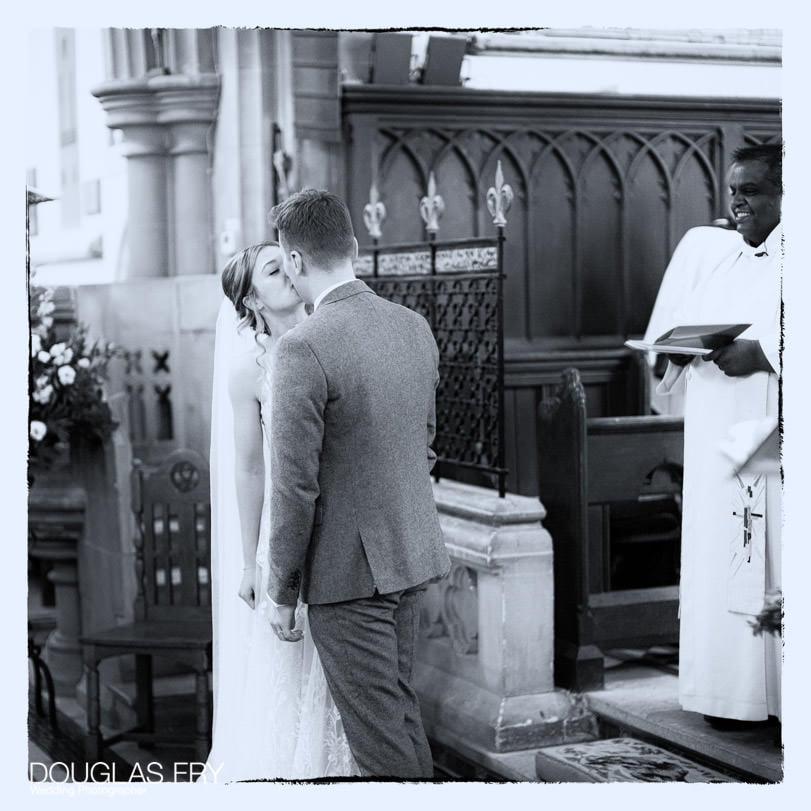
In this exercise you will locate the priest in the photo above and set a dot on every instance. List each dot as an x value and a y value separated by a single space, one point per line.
731 520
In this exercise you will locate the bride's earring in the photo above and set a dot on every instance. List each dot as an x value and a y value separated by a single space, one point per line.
257 307
253 304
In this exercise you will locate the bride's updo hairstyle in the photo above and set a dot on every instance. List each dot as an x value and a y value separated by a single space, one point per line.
237 284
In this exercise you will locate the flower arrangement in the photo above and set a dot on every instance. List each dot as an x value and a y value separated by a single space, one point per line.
66 394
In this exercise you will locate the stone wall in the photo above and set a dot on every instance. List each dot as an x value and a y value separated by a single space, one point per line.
154 317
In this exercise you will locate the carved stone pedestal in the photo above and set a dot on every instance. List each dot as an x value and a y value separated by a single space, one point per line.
485 661
56 521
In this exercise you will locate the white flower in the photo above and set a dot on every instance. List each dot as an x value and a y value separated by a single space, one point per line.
41 381
47 321
83 363
36 344
43 395
43 356
38 430
58 349
63 357
46 307
66 374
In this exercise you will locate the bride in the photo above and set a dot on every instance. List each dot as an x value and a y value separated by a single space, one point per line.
273 714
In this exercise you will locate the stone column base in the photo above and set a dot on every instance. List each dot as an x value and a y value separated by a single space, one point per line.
63 655
457 711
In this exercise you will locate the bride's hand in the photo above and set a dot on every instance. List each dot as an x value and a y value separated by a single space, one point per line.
246 587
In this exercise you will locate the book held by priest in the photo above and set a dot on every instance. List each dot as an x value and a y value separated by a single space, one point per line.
700 339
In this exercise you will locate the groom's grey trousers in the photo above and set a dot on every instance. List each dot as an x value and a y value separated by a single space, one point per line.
367 650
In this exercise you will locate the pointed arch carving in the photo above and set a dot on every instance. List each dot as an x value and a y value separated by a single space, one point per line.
581 271
668 152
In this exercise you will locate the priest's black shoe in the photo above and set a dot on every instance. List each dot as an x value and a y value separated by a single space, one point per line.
730 724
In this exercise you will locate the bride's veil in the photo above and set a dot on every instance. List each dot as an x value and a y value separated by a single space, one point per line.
273 716
228 612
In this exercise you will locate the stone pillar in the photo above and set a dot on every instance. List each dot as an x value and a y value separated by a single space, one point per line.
56 518
131 108
485 660
148 222
165 122
187 107
63 651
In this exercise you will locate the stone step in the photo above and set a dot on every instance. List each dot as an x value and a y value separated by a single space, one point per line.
117 698
620 760
646 706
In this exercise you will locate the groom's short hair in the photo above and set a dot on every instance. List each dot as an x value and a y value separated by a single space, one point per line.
317 224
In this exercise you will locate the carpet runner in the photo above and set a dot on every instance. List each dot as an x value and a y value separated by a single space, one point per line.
620 760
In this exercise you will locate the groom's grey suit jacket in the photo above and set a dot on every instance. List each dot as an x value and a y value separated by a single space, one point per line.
353 419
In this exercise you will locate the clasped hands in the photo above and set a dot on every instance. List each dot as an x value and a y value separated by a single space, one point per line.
282 618
283 622
741 357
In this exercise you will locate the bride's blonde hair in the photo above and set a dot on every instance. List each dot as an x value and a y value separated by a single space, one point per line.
237 284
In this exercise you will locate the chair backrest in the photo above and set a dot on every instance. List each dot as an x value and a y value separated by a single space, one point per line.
173 542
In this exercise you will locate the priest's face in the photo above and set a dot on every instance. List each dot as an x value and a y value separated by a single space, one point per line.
754 200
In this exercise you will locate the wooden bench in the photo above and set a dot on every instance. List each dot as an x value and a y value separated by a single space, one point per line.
616 381
612 489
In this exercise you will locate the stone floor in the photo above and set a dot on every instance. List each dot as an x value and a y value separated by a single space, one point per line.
639 701
643 701
174 711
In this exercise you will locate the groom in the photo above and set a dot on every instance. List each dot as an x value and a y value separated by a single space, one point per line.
354 527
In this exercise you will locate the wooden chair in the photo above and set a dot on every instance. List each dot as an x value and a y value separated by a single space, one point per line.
41 672
172 613
607 482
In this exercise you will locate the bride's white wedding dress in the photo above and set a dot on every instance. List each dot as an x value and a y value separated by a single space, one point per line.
273 713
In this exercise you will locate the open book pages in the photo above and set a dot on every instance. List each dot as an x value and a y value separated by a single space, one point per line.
644 346
700 339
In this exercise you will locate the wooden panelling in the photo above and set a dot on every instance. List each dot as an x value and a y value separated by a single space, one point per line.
615 382
605 187
315 84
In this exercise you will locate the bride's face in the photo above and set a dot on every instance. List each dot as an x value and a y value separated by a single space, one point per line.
270 284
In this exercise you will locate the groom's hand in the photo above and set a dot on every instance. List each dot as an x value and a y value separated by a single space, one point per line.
283 621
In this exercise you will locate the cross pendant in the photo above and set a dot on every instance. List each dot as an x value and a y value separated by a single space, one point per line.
747 516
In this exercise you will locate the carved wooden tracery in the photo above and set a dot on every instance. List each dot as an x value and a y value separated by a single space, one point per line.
604 189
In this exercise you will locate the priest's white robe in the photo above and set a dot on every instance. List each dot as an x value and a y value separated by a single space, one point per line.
730 523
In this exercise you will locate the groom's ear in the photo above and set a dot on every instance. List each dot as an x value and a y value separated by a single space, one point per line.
298 263
354 248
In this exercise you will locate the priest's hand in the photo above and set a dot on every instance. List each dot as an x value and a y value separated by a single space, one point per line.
680 360
740 358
